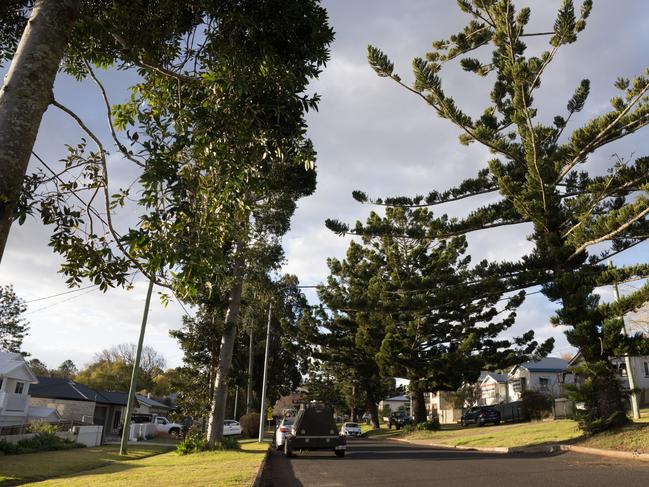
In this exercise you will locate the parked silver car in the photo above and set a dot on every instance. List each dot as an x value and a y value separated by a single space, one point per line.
282 430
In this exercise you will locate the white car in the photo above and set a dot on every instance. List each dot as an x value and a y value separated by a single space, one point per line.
282 430
231 427
350 429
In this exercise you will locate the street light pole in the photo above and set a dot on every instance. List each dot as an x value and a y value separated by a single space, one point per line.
262 412
126 430
249 391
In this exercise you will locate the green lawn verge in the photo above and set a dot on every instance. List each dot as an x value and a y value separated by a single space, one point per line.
369 432
218 468
36 466
634 438
506 435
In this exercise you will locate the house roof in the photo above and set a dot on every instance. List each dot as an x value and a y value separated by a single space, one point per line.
62 388
10 362
42 413
500 378
115 397
547 364
147 401
398 398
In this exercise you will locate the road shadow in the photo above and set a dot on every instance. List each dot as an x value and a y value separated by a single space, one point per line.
279 472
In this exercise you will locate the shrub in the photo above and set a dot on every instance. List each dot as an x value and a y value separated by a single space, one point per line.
250 425
8 448
41 441
537 404
408 428
432 425
42 427
195 442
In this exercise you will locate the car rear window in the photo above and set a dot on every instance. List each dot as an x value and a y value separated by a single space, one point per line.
288 421
351 425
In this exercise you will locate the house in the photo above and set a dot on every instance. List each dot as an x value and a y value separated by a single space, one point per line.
15 380
547 375
640 367
78 403
147 405
493 389
444 405
395 403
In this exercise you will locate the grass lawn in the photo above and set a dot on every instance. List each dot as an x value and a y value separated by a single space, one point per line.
221 468
35 466
508 435
369 432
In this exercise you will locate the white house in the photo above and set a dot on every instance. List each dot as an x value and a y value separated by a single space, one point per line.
640 366
493 389
545 375
395 403
15 379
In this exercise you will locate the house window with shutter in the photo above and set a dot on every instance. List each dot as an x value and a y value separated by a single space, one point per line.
646 369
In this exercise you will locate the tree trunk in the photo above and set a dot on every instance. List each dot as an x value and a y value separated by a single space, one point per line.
419 406
217 413
25 95
374 414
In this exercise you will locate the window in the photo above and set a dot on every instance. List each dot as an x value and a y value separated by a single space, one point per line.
19 387
3 379
116 419
544 383
646 371
161 421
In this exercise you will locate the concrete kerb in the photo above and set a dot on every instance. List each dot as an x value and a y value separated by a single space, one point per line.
547 449
259 479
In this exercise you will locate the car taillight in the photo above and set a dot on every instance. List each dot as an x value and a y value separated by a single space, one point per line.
283 429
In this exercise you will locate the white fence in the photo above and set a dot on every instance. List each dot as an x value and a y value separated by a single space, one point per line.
141 431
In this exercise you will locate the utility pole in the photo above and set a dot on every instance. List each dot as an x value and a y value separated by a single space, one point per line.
262 411
236 400
126 430
249 391
627 362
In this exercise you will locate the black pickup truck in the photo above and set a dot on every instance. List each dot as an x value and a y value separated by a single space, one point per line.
315 429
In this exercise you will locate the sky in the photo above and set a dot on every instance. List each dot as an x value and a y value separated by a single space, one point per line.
370 135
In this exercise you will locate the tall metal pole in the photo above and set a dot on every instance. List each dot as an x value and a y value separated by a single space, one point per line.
629 368
262 412
126 430
249 391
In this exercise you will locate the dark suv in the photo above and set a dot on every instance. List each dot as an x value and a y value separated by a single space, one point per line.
481 415
315 429
398 420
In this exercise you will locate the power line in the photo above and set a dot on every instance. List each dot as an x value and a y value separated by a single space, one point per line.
60 302
61 294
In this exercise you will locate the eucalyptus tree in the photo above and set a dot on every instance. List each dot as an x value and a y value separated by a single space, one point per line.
424 313
41 37
216 130
547 176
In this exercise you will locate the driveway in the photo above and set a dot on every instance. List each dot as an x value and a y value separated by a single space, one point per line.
375 463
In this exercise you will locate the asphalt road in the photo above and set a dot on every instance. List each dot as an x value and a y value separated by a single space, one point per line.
377 463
